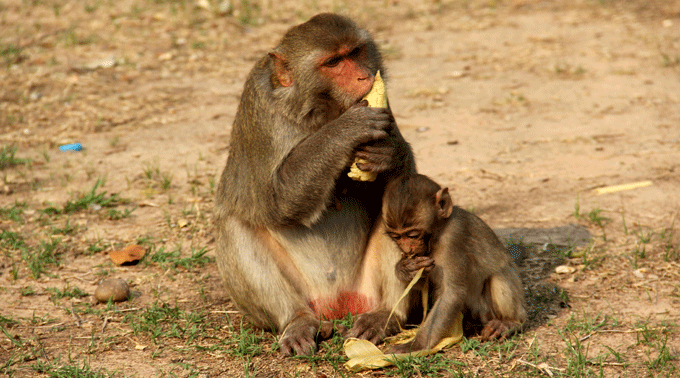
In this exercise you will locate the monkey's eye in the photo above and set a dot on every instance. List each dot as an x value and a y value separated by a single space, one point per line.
356 52
394 235
413 235
332 62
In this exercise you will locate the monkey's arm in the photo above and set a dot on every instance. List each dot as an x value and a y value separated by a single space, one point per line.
306 177
437 323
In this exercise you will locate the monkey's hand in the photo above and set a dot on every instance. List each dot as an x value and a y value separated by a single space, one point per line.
362 124
374 158
299 338
407 267
366 168
373 326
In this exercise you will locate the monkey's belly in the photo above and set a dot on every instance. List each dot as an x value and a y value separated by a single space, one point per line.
346 302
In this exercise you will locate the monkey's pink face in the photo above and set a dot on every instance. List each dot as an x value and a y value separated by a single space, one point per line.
412 242
347 69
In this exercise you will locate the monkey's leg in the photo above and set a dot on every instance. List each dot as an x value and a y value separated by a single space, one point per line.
265 285
505 293
378 279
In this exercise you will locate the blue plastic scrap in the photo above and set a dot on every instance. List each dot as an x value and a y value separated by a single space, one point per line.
74 147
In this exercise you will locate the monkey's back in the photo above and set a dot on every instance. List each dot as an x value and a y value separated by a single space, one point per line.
476 248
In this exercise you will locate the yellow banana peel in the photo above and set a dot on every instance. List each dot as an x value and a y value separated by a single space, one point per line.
377 98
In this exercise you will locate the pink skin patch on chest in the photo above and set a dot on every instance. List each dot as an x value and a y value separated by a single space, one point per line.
346 302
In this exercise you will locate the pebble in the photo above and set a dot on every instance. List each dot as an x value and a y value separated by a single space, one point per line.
115 289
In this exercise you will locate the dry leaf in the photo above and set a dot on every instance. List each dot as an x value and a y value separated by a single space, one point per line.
129 254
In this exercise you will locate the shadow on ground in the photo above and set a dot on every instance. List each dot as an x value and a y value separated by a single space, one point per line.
538 251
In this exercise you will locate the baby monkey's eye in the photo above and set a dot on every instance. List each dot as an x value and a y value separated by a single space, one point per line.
394 235
413 235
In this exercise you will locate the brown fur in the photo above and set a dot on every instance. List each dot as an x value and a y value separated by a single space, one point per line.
468 266
292 229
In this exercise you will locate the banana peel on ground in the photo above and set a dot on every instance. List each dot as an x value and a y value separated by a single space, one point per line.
364 355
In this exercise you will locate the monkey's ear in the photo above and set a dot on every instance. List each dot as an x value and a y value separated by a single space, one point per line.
444 203
281 70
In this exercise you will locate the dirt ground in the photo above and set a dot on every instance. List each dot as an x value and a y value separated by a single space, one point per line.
522 108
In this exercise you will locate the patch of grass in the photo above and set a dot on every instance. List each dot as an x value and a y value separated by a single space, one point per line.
27 291
91 199
11 54
155 178
174 258
68 292
43 256
8 157
576 355
330 351
95 247
245 342
14 213
7 321
660 361
639 252
68 229
599 220
589 258
54 369
671 250
427 366
114 214
584 324
12 241
162 320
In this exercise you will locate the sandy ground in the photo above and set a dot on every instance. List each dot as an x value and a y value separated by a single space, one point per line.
522 108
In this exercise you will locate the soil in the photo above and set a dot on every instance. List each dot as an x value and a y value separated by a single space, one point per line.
522 108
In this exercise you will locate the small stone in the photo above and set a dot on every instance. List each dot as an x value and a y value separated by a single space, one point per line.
114 289
565 269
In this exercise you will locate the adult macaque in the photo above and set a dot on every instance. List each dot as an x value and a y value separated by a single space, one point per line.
296 242
469 268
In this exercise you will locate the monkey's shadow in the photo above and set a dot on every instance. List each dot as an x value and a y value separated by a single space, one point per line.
538 251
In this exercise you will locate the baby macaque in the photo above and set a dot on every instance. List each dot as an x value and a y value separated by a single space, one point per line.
466 264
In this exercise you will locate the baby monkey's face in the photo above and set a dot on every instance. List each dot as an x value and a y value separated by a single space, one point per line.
412 242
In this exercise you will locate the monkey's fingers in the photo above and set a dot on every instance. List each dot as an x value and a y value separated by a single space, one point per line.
492 330
371 334
374 159
299 337
401 348
293 346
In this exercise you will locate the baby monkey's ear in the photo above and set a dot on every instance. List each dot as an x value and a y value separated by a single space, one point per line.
444 203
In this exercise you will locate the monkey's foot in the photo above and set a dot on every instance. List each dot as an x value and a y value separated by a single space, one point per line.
299 337
401 348
498 329
373 326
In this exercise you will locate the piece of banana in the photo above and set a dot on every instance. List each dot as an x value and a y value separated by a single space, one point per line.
377 98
